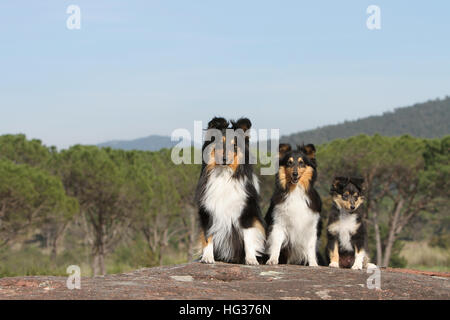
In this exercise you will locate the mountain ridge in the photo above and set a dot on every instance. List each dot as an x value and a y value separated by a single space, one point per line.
430 119
149 143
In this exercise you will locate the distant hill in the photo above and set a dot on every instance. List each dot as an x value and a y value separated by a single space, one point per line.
430 119
150 143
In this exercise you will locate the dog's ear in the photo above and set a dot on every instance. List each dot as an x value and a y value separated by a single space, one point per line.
218 123
358 182
338 184
242 123
283 148
309 150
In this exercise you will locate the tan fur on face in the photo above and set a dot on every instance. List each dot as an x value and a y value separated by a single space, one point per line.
341 203
235 162
306 175
285 174
282 177
237 155
287 181
345 204
231 154
211 161
359 202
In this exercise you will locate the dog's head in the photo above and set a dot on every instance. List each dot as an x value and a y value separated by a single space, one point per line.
228 142
297 166
347 193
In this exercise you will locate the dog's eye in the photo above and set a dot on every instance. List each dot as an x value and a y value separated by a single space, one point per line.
344 196
301 164
290 162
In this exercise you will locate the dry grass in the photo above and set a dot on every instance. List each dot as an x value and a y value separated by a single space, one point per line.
424 257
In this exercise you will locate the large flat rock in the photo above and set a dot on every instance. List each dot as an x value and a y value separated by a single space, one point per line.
228 281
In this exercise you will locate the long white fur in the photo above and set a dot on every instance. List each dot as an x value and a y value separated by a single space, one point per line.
294 223
345 227
225 198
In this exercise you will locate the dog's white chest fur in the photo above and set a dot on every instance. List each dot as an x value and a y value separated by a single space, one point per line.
299 224
225 198
345 227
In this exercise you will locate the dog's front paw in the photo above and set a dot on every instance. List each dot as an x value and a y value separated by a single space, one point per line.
313 264
251 261
272 261
371 266
207 259
357 266
334 264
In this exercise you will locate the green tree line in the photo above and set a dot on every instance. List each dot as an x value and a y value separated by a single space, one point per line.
114 210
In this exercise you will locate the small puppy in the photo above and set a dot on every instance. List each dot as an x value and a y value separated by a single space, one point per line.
345 230
227 196
293 218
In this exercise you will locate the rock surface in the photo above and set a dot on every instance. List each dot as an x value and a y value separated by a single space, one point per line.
227 281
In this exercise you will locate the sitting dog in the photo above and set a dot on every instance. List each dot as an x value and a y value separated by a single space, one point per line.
345 230
293 219
228 197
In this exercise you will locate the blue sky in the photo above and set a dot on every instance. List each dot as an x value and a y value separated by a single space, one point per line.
137 68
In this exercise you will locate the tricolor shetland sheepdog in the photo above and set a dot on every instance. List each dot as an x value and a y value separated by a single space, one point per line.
228 197
293 219
345 231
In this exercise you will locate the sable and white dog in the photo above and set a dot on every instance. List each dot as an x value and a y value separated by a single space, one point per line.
228 197
293 219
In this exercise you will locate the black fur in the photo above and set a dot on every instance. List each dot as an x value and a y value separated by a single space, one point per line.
218 123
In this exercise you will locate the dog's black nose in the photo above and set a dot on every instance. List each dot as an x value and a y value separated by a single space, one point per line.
352 207
295 174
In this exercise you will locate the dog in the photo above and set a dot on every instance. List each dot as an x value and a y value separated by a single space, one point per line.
293 219
346 233
227 196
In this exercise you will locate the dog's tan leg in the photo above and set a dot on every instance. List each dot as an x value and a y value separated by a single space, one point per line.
208 250
334 256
